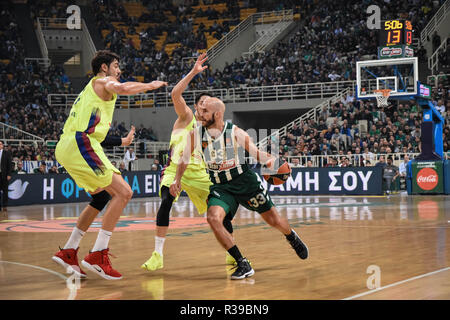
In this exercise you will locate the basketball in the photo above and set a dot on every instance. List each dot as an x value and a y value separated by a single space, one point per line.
283 173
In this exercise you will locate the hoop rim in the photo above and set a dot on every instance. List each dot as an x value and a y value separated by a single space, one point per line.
384 92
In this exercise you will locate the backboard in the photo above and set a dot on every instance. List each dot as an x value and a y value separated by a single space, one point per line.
400 75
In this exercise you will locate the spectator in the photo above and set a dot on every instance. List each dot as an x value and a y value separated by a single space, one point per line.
129 158
122 167
390 173
5 174
53 170
156 162
19 168
42 168
381 163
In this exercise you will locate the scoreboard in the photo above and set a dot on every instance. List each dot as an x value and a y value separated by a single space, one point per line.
396 32
395 39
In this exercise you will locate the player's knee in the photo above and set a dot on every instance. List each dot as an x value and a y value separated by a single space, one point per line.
272 218
162 217
214 219
99 200
125 193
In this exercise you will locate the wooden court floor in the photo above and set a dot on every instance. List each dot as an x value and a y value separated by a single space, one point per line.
360 248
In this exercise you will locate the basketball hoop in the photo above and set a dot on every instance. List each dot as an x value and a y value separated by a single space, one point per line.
382 96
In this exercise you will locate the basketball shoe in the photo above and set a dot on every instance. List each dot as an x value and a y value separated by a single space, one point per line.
99 263
67 258
243 270
300 248
230 260
155 262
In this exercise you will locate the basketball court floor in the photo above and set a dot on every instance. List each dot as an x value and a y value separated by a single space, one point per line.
377 247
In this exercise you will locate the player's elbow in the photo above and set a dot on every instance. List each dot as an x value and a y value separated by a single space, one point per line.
116 87
121 89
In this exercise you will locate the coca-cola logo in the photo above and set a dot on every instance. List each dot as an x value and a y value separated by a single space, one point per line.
427 179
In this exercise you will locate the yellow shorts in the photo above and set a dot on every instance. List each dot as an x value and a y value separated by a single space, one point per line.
194 182
84 159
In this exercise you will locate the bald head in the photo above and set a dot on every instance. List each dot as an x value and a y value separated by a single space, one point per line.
215 105
211 112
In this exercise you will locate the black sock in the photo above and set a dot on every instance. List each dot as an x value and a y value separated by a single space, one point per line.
235 253
290 236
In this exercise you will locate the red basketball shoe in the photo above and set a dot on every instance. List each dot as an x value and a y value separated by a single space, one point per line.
99 263
67 258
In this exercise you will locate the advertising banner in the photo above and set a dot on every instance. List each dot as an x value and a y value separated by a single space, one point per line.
427 177
27 189
337 181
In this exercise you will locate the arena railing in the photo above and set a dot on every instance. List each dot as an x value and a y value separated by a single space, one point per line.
432 25
261 44
44 62
255 18
304 91
150 149
8 132
40 37
52 23
318 161
433 80
215 50
433 61
311 114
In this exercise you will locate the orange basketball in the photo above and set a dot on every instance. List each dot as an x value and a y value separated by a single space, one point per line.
283 173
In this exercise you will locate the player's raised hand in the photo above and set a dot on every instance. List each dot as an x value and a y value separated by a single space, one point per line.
198 66
129 138
156 84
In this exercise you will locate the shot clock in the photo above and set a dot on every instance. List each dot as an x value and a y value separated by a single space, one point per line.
395 39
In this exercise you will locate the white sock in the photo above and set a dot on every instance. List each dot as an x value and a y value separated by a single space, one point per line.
75 238
159 244
102 240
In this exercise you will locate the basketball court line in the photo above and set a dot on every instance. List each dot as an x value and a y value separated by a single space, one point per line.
37 267
396 284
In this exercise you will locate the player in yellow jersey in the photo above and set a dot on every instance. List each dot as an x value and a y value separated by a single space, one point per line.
80 152
196 181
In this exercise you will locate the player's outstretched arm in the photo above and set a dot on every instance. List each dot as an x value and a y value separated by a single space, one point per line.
243 139
112 85
115 141
179 104
175 188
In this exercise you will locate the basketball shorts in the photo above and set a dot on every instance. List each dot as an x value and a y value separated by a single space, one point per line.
195 182
84 160
246 189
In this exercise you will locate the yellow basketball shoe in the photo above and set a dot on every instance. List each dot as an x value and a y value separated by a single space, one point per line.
230 260
155 262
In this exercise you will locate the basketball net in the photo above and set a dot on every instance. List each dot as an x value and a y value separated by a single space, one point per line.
382 96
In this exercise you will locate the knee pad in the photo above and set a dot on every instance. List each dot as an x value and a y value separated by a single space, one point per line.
227 224
162 217
99 200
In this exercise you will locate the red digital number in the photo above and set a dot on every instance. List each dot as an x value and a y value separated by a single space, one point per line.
408 37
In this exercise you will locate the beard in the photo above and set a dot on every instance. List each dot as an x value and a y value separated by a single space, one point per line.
208 123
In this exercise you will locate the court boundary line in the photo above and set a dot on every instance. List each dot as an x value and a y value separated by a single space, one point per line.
396 284
37 267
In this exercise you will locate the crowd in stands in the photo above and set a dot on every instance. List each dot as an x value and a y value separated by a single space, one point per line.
325 48
392 129
24 89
